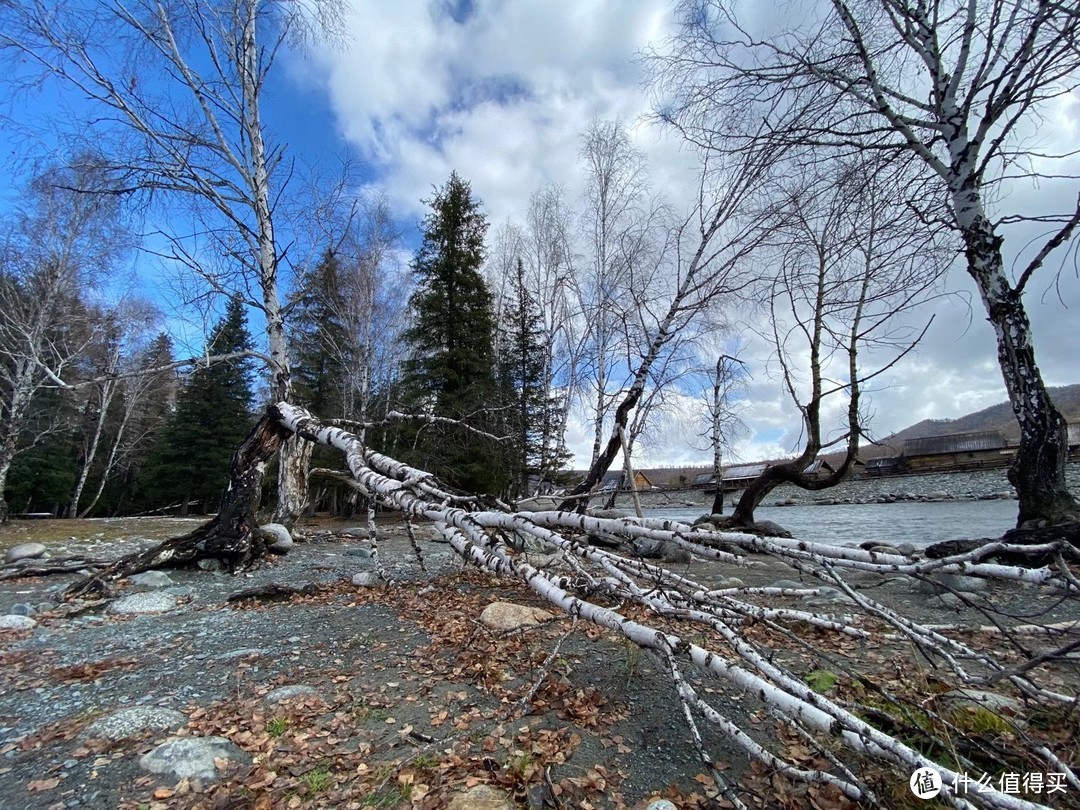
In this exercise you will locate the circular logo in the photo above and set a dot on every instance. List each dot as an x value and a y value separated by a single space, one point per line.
925 783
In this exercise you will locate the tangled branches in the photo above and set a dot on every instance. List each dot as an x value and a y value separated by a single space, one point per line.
856 730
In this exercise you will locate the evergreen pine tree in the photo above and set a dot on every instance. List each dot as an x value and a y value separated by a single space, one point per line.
522 375
190 461
321 344
451 371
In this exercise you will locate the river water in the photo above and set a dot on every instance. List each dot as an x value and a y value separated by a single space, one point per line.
920 524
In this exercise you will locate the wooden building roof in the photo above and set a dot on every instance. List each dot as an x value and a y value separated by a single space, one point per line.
955 443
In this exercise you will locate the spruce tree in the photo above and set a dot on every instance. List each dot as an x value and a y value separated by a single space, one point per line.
522 375
321 344
190 462
451 370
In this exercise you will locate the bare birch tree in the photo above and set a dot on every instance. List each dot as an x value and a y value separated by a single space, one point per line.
851 269
960 87
176 91
552 260
143 402
620 224
112 397
56 249
711 248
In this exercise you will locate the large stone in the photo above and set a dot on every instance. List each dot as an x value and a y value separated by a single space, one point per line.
24 551
193 757
658 550
826 597
365 579
277 538
152 579
534 545
767 528
540 503
885 548
291 692
506 616
134 721
149 602
481 797
14 623
943 583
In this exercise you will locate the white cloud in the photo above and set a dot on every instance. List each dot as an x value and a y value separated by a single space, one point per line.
503 97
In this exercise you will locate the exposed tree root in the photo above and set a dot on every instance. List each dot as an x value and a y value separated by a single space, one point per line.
228 537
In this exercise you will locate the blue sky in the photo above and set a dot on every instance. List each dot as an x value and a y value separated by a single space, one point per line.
501 91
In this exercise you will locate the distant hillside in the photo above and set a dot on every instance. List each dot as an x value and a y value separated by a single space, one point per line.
996 417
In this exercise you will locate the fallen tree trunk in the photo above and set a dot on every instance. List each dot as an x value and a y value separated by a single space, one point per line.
727 633
482 537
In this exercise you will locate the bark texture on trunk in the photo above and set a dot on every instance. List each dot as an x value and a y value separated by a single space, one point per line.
229 536
1038 473
292 491
792 472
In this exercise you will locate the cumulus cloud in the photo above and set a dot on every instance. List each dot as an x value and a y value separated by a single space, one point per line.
501 91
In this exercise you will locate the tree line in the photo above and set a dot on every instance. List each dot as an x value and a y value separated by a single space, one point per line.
829 202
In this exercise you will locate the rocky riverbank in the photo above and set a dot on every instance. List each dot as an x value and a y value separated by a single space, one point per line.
333 690
979 485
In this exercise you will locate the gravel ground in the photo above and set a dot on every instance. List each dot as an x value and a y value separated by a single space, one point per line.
348 644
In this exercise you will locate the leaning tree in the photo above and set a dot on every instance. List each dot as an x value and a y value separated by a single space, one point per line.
851 266
958 87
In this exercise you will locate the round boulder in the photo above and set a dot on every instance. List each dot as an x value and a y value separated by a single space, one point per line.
15 623
133 721
24 551
277 538
152 579
193 757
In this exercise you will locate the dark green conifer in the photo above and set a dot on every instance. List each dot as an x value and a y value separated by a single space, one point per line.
522 375
451 371
190 462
